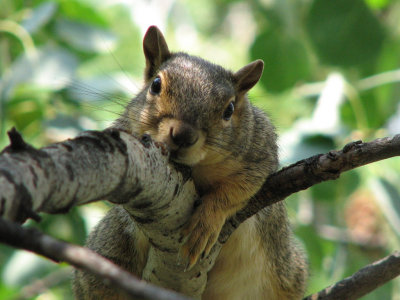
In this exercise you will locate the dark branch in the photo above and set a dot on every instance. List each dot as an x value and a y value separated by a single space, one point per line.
32 240
363 281
308 172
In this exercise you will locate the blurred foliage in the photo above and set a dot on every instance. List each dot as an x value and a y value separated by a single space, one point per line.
332 76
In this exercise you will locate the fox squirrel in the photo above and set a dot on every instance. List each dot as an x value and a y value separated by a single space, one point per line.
200 110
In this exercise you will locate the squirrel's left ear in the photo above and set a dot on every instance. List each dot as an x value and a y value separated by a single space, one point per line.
155 50
248 76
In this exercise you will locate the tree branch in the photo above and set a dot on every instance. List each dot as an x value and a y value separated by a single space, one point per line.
110 165
116 166
363 281
33 240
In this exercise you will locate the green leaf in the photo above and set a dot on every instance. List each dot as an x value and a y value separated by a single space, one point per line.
7 292
78 11
377 4
316 247
23 112
286 60
68 227
343 32
334 191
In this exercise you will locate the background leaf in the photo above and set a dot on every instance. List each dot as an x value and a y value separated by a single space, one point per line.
344 32
285 57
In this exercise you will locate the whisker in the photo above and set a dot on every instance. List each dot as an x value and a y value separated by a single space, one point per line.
93 91
119 65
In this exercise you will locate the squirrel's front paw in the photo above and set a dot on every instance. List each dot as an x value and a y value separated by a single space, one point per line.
201 233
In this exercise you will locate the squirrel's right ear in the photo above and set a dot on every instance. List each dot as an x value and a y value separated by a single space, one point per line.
248 76
155 50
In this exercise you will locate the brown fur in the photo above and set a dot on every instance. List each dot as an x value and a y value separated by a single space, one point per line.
231 155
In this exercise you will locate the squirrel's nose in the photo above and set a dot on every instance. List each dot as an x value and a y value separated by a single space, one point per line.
183 135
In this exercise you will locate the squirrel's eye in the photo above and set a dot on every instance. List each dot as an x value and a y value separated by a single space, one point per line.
228 111
155 87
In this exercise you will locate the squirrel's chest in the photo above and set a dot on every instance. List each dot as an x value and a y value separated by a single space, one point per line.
240 271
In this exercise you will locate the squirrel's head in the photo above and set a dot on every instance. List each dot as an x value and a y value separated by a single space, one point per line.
191 104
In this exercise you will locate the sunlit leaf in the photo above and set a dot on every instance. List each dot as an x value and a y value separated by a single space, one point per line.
82 12
377 3
339 190
23 112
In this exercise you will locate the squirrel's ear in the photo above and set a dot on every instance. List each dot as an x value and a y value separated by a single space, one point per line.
155 50
248 76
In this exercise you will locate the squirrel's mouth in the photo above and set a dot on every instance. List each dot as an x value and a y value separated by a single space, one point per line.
174 155
188 157
180 157
182 151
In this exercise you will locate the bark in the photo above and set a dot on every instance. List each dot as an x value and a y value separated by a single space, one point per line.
115 166
108 165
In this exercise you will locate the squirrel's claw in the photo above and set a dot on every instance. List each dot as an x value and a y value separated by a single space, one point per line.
200 234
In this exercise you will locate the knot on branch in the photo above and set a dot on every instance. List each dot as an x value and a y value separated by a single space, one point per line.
316 174
352 146
17 143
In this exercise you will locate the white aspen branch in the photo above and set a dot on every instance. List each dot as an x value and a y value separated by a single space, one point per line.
110 165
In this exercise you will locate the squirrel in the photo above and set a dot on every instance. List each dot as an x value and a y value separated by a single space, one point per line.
201 111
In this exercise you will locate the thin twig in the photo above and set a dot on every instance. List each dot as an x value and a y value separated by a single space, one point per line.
363 281
378 80
41 285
